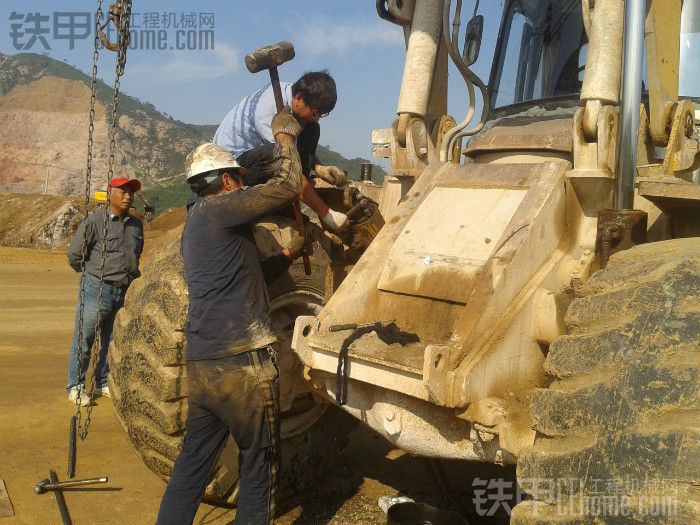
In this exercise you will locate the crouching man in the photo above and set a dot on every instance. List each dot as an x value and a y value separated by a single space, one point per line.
231 371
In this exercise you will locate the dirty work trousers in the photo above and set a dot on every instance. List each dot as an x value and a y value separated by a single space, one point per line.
112 301
260 162
237 396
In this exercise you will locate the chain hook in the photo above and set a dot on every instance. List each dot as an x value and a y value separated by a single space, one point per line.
116 12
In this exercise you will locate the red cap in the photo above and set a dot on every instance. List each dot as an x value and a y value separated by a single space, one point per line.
123 182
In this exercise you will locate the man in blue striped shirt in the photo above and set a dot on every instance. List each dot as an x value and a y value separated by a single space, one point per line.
246 133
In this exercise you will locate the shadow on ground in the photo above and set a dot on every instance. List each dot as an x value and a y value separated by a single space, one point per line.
370 467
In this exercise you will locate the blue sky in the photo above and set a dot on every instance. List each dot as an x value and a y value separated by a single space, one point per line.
363 53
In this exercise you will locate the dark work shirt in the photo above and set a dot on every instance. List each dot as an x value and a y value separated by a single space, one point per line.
124 247
228 303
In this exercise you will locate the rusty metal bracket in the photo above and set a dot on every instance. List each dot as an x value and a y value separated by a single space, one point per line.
662 34
682 149
619 230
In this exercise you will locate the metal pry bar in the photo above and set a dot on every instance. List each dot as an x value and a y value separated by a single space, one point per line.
60 499
46 485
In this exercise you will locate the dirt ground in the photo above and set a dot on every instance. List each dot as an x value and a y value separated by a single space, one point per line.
37 300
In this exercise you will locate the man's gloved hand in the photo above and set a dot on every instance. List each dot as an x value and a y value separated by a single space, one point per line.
284 122
332 175
335 221
299 246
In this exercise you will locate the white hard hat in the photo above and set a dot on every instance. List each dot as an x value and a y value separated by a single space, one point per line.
209 157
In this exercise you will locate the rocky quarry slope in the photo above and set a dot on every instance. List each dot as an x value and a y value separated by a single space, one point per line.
44 107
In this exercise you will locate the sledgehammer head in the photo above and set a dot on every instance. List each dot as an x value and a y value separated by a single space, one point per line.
269 56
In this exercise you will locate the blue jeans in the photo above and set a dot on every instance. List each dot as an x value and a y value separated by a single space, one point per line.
112 301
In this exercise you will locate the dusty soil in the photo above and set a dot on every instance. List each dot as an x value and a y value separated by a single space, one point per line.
37 300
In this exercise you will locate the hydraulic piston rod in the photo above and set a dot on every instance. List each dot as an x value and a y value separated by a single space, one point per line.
631 99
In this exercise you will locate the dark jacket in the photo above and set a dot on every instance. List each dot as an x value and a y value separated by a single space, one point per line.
124 246
228 304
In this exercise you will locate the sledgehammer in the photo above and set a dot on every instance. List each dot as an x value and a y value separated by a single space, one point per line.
269 57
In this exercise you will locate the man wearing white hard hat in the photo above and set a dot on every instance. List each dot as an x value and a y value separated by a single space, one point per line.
232 377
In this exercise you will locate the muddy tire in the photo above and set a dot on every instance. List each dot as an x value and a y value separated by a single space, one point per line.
149 387
619 427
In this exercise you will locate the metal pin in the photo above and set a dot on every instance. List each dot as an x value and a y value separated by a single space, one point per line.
53 484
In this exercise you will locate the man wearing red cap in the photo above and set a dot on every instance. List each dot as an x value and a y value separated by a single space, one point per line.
122 249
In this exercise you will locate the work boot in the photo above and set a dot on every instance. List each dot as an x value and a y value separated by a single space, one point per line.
103 392
84 396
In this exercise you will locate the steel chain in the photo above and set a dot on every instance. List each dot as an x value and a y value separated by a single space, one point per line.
124 10
88 178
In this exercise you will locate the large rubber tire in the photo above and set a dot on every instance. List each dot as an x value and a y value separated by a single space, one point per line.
148 383
622 415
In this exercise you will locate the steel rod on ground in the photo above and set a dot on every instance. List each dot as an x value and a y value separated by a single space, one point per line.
60 500
72 444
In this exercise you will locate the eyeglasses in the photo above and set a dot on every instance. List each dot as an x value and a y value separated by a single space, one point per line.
318 115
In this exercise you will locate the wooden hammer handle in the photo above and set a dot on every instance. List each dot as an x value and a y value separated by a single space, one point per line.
277 90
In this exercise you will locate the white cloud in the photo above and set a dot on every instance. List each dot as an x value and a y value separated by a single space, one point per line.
183 66
325 36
